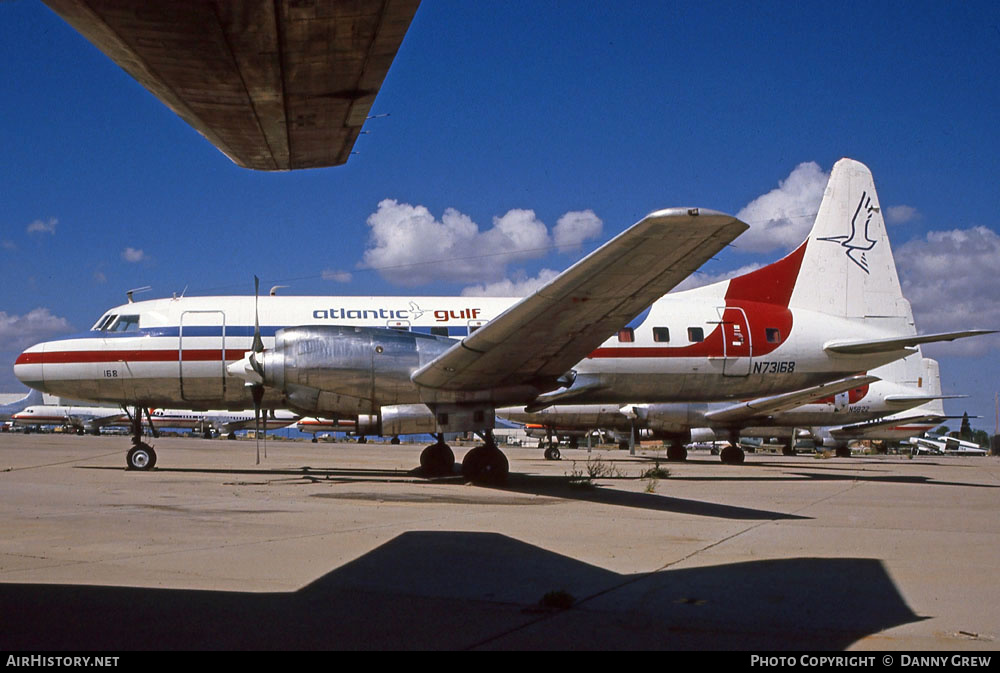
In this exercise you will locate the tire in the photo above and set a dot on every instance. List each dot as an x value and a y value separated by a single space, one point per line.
140 457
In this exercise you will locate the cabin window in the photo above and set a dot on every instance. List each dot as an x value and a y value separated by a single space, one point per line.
696 334
439 331
661 334
626 335
773 335
125 323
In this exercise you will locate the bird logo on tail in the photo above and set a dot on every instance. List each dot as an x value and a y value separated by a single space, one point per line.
858 242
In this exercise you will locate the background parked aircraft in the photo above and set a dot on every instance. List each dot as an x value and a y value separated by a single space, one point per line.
32 398
946 446
82 419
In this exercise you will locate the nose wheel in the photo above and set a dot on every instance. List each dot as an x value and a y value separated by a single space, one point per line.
140 457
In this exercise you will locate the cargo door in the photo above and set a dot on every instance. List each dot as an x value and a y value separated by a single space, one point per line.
202 356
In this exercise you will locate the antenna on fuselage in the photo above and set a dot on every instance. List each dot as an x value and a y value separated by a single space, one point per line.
129 294
274 290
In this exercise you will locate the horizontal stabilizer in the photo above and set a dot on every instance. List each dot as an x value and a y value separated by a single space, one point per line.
777 403
865 347
890 421
910 401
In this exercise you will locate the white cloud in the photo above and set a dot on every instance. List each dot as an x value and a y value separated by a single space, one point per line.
782 218
46 227
949 278
519 287
409 246
17 332
575 227
699 278
133 255
337 276
900 214
8 245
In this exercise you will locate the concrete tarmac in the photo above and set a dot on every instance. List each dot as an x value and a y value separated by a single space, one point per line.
345 546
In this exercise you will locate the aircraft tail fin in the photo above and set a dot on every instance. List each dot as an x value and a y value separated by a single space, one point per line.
931 380
847 264
845 267
32 399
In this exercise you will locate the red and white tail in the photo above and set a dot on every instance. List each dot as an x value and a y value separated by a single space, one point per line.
847 266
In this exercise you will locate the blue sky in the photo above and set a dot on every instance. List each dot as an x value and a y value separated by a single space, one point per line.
507 122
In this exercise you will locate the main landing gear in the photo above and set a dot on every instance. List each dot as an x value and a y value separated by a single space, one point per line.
484 464
733 454
677 451
141 456
552 452
437 460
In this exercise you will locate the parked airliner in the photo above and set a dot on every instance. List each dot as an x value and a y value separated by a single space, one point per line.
32 398
851 402
82 419
817 315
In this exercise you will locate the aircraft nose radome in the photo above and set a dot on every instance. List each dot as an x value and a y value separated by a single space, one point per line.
28 366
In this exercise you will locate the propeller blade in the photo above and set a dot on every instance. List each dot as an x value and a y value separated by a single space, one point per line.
258 343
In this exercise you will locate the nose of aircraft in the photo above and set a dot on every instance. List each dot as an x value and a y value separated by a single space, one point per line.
28 366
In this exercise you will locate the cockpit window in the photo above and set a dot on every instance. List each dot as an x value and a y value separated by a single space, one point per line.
103 322
125 323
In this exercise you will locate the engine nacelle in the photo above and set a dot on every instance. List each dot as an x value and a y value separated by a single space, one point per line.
669 418
339 371
412 419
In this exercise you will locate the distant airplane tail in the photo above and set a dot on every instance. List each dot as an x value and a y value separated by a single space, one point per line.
932 382
32 399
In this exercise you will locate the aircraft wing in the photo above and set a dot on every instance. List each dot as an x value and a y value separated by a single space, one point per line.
540 338
861 347
274 85
887 421
89 421
765 406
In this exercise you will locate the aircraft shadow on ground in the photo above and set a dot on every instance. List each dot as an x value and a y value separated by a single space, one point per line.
564 487
458 590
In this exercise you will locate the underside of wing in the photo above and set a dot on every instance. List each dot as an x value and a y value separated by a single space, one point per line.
540 338
777 403
274 84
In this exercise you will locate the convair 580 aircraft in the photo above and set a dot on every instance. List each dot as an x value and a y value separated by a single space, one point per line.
830 309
